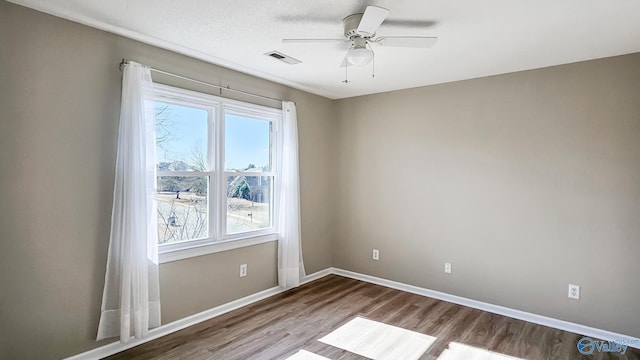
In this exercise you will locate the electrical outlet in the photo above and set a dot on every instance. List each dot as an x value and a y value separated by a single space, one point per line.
574 291
447 268
243 270
376 254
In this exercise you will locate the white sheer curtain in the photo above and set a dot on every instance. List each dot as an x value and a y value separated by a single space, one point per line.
131 296
290 265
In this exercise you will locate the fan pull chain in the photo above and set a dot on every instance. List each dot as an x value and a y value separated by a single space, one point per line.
346 76
346 67
373 61
373 68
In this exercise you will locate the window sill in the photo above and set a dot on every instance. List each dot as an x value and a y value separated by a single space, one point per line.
211 248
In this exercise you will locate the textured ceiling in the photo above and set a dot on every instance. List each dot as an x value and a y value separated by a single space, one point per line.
476 38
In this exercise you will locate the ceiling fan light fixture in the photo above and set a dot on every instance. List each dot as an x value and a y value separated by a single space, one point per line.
360 56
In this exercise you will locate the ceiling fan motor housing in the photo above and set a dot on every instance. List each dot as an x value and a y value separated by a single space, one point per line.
351 24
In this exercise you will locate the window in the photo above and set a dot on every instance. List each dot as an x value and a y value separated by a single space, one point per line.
215 171
248 173
184 174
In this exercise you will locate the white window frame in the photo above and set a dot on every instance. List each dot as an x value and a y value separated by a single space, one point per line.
217 108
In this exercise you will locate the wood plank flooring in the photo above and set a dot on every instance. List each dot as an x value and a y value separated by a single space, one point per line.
277 327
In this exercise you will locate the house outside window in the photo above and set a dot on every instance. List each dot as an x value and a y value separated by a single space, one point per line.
215 172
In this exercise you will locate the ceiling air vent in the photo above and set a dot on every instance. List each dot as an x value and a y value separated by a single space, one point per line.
282 57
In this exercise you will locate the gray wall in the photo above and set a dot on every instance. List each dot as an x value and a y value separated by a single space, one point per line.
525 182
59 110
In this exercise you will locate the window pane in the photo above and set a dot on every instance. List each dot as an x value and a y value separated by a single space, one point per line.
182 208
247 144
248 203
181 137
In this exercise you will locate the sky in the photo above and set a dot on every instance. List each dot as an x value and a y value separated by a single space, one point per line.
246 140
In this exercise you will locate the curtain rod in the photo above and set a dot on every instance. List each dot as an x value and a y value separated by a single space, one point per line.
227 88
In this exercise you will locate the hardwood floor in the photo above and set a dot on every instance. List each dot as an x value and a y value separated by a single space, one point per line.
277 327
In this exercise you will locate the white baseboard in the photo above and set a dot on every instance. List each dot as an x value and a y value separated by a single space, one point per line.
317 275
116 347
496 309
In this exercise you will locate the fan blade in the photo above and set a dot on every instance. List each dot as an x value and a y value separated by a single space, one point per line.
371 20
313 40
412 24
345 62
406 41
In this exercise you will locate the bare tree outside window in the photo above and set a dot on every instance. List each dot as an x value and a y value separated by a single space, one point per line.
182 198
199 198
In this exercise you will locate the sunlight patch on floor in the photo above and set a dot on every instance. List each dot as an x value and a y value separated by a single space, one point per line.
305 355
378 341
457 351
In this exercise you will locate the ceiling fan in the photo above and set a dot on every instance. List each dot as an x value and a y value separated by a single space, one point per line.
360 29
